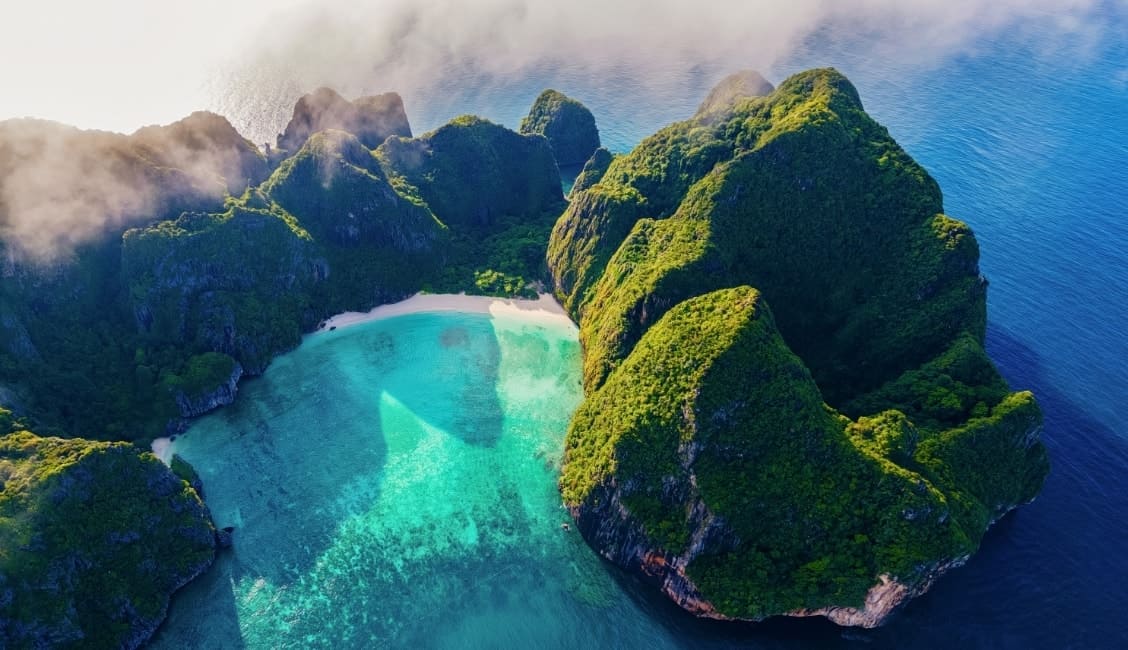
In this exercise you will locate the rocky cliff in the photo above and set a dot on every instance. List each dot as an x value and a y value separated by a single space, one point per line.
593 170
371 119
212 381
95 538
705 455
567 124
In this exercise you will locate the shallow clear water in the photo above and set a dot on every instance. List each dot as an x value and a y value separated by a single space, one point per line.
392 484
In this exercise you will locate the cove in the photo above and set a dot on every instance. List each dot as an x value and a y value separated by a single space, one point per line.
393 484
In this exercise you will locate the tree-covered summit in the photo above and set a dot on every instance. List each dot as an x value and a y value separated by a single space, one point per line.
706 455
568 125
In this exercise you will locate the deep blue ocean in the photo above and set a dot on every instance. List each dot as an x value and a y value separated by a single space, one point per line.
1028 138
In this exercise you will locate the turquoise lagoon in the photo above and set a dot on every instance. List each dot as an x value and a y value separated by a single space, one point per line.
393 484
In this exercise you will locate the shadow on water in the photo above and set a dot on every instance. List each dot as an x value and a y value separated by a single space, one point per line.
304 448
478 420
204 609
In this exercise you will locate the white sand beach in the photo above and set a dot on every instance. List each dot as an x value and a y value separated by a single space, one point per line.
544 308
162 448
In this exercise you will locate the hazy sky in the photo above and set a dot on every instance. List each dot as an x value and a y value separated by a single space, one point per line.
120 64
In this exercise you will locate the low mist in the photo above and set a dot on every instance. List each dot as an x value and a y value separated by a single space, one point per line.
430 49
60 189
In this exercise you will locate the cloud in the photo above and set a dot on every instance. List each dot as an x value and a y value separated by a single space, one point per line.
423 48
61 187
58 190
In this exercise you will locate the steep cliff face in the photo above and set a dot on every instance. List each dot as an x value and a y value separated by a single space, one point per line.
338 191
96 537
567 124
704 455
473 173
370 119
236 282
211 381
593 170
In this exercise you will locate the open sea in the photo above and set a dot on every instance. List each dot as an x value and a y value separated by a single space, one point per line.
393 483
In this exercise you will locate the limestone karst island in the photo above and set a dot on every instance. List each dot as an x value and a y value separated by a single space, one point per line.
738 370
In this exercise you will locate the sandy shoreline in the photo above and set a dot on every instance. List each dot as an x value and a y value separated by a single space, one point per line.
544 309
162 449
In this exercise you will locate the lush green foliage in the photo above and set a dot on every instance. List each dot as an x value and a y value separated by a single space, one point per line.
959 384
202 373
698 407
649 182
813 205
711 405
100 347
593 170
991 463
568 125
474 173
94 537
497 191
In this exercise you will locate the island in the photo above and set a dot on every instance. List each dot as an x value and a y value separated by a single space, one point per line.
789 410
788 407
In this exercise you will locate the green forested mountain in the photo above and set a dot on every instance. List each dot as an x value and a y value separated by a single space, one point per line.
117 340
568 125
760 461
94 536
